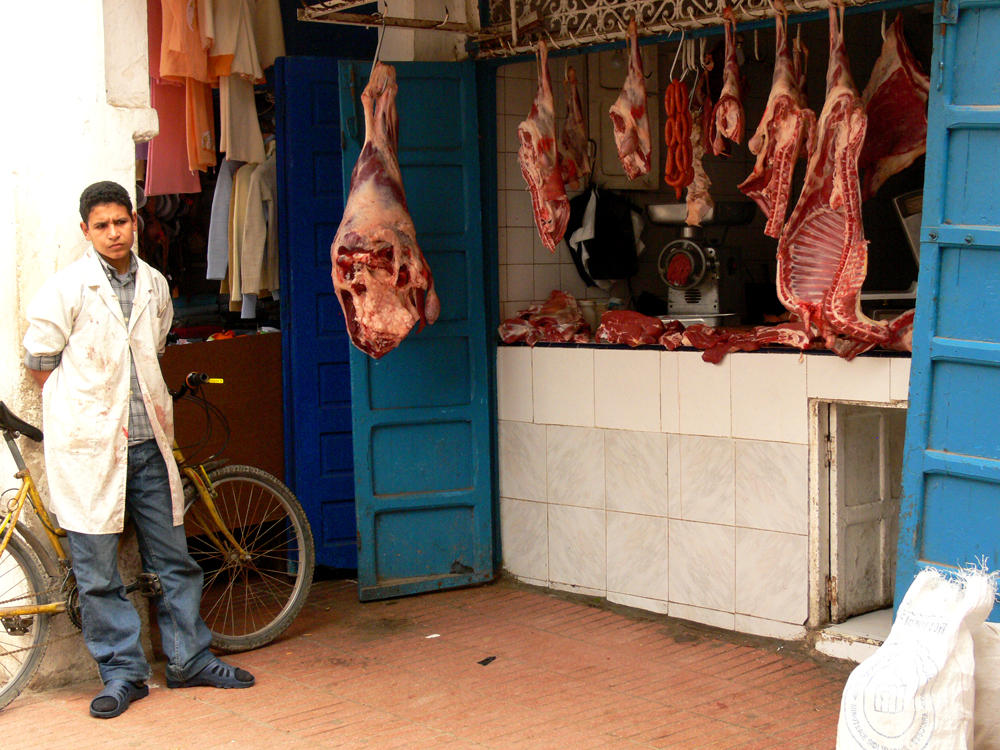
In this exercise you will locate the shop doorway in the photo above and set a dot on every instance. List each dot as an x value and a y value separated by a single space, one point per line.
860 477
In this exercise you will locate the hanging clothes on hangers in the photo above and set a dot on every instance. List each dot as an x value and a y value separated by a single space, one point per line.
184 57
167 168
233 59
259 247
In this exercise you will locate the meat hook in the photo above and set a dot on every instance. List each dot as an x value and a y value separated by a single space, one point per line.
679 45
381 34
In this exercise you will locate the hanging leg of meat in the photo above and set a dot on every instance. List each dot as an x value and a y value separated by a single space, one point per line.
699 199
628 114
896 104
574 152
822 252
539 160
729 108
383 282
784 130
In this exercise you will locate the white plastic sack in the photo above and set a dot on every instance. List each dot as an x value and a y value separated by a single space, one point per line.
987 642
917 690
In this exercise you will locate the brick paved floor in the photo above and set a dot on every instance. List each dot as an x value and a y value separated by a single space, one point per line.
416 673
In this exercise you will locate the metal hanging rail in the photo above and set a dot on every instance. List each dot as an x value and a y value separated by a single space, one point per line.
574 24
571 24
333 11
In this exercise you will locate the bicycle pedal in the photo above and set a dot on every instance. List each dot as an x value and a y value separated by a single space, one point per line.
147 584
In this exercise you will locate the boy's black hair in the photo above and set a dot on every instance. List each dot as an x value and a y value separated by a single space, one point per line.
103 192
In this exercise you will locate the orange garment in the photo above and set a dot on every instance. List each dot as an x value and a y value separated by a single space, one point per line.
184 58
183 51
200 125
166 163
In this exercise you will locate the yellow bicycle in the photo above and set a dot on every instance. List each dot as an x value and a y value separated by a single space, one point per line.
245 528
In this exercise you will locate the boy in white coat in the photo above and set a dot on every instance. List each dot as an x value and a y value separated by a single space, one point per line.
95 332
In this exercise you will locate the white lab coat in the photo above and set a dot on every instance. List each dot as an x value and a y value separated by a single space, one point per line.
85 400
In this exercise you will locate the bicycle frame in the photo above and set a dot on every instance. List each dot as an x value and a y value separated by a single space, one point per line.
198 475
8 526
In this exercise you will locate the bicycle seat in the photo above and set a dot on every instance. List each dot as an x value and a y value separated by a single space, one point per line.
10 421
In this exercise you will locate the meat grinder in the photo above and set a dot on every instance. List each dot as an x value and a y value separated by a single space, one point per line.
701 285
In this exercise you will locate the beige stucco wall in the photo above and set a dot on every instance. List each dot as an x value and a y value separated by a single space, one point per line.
406 44
77 100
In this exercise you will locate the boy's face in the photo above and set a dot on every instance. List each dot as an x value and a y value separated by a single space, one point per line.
111 229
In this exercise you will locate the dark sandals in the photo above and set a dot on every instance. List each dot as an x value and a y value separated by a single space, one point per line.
216 674
115 697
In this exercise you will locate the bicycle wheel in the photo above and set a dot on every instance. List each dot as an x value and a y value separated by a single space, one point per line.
23 640
250 598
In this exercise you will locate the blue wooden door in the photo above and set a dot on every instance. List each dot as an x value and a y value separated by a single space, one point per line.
950 512
422 413
317 391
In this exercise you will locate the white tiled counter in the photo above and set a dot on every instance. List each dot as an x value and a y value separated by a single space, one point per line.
663 482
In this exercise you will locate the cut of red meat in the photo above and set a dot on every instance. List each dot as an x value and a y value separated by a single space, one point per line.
628 114
729 109
539 160
556 320
822 253
628 327
896 103
383 282
574 152
786 131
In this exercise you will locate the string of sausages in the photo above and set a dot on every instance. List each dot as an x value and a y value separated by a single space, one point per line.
677 134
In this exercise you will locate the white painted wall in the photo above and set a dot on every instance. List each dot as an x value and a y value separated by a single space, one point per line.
77 100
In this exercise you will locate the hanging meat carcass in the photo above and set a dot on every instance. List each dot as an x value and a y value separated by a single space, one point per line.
786 131
822 253
896 104
699 199
383 282
574 152
539 160
729 109
628 114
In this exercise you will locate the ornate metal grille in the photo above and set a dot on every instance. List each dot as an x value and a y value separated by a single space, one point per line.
573 23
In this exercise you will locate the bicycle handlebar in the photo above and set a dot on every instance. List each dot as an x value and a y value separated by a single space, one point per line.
193 381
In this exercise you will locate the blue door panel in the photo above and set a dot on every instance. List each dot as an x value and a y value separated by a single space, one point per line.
318 440
950 509
423 416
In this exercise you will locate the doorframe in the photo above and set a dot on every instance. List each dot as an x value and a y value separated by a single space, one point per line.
821 463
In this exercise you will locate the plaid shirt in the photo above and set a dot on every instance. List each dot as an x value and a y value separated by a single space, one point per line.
139 428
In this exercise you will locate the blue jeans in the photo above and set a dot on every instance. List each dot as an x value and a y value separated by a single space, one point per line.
111 626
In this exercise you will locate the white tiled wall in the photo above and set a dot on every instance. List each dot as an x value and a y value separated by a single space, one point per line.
528 271
662 482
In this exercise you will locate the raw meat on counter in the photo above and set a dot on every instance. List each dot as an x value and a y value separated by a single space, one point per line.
557 320
574 149
787 130
383 282
539 160
628 327
822 253
729 109
718 342
628 114
896 103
